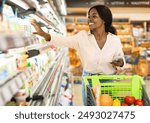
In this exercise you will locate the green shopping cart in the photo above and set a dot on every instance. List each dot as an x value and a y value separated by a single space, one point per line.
119 87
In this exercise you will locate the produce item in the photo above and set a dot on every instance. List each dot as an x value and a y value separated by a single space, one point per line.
129 100
106 100
139 102
124 104
116 102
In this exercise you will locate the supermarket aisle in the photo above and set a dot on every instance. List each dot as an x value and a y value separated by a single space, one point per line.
31 68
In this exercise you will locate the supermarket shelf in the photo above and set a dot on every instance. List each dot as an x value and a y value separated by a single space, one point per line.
40 15
143 39
55 88
8 41
54 94
54 10
51 92
42 78
31 3
30 7
18 3
9 88
44 21
145 44
24 4
37 49
44 87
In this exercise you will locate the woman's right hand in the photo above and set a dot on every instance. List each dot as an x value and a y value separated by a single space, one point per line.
39 31
37 27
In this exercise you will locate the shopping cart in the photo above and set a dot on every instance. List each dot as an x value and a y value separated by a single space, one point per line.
119 87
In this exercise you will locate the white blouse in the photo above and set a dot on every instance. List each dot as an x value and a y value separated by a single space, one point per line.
94 59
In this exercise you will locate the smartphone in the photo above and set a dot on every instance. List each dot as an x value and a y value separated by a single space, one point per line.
115 60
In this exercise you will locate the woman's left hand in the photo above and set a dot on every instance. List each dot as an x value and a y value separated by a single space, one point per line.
118 63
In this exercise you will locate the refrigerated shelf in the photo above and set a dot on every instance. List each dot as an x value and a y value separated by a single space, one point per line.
37 49
32 7
11 87
9 41
44 88
54 94
42 77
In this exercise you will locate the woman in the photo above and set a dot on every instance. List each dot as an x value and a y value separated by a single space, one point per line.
97 48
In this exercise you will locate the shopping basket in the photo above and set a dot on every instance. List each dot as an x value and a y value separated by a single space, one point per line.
118 86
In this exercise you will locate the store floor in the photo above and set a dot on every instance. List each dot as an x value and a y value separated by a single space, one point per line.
77 95
147 82
78 92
